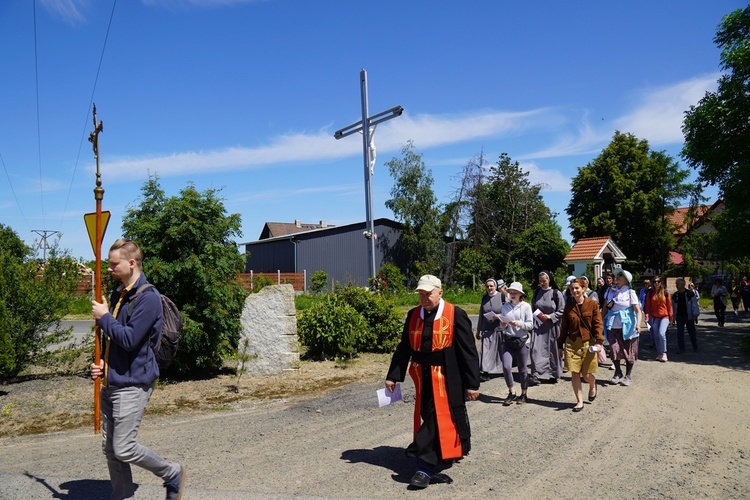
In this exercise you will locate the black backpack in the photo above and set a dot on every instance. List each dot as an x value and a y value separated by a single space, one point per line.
170 328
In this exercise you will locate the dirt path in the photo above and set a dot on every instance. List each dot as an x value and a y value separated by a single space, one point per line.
681 430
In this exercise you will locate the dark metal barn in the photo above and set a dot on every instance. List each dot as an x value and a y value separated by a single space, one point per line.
340 251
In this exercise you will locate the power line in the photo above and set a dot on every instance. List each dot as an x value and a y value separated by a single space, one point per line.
85 121
38 122
13 191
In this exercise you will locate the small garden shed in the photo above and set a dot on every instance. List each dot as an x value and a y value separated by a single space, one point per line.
600 251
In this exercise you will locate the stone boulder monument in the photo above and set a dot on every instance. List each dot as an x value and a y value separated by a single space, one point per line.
269 322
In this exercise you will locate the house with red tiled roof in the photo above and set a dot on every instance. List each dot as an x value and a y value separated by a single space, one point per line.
700 223
599 251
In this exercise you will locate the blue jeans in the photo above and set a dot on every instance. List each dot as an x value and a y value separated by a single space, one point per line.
681 322
122 410
659 333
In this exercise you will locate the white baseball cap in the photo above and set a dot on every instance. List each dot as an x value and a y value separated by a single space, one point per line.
428 283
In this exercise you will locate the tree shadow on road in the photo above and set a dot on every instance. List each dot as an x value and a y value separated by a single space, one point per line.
81 489
387 457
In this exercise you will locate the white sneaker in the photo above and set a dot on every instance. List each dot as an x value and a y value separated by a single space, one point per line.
625 381
616 379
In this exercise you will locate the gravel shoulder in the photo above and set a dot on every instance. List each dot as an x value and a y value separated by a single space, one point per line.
681 430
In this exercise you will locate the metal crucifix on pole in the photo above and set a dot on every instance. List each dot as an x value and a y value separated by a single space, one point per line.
96 225
366 126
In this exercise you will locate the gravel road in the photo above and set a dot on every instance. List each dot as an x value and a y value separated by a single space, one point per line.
681 430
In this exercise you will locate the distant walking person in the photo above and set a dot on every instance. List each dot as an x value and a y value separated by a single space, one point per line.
438 350
745 293
609 284
719 294
128 372
659 315
686 310
735 292
488 330
547 305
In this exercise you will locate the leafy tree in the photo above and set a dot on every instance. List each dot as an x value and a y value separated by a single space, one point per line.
541 247
628 193
414 204
505 204
472 267
190 255
717 134
457 217
33 300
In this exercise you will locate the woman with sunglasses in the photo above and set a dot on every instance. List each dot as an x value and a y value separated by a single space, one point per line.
659 315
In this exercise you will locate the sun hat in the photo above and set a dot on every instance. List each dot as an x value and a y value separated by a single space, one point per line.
428 283
500 283
628 276
569 279
517 287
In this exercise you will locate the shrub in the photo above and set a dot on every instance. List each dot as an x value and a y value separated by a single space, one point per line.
330 329
260 281
31 304
395 279
383 321
318 281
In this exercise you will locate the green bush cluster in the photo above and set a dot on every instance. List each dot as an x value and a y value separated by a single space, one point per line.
318 281
349 321
33 299
394 279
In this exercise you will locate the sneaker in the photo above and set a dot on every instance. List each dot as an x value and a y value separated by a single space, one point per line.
534 381
509 399
522 399
176 486
625 381
664 358
616 379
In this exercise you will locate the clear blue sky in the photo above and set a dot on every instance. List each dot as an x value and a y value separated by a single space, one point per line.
245 96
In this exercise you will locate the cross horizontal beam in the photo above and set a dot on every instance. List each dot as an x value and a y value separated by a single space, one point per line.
373 120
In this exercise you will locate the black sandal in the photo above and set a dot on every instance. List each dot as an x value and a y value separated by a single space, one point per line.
576 409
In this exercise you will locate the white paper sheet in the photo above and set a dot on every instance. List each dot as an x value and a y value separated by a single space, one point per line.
491 316
385 397
505 319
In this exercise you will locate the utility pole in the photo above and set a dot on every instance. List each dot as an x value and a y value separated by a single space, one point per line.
366 126
44 234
